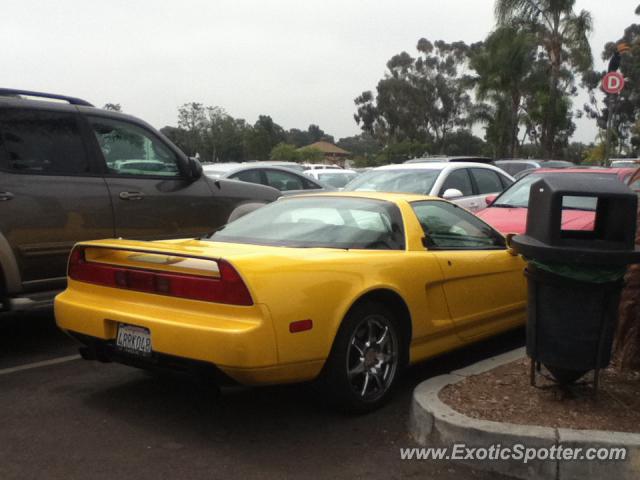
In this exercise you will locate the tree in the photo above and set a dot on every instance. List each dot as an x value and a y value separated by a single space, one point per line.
625 106
562 35
419 99
359 145
286 152
261 139
192 119
300 138
310 154
503 63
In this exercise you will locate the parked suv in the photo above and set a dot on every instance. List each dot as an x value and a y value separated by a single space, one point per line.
72 172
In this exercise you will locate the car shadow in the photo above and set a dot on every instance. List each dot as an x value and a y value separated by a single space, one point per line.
175 405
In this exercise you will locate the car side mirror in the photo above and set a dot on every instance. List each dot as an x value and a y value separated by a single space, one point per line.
489 199
195 168
451 193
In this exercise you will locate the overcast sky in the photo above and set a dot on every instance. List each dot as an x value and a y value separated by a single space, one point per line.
301 62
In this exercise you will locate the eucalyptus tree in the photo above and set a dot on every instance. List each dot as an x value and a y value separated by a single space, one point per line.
561 33
420 99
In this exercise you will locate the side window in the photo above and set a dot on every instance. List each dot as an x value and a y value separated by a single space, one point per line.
131 150
251 176
42 142
506 182
283 181
515 167
486 180
448 227
458 179
309 185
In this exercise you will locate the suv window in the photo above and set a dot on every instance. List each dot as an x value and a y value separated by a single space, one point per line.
42 142
283 181
448 227
458 179
131 150
487 180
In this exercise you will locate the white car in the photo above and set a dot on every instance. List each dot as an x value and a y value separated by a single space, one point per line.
321 166
334 177
465 183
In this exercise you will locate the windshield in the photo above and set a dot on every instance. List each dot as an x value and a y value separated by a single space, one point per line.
337 180
518 196
418 181
326 222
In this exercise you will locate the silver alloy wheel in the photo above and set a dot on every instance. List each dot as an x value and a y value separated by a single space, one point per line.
372 357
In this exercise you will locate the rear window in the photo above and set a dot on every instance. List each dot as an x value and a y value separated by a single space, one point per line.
418 181
326 222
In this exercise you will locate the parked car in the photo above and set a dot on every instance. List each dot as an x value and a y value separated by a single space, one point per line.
507 212
466 184
285 180
298 167
516 167
72 172
320 166
625 163
472 158
342 288
336 178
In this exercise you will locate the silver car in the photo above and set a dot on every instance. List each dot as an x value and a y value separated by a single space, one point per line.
464 183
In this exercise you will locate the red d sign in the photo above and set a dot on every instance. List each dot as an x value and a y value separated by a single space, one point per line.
613 82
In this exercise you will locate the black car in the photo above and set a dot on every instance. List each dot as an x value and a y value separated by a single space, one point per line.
72 172
285 179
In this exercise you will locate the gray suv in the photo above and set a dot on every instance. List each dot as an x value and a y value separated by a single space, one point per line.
72 172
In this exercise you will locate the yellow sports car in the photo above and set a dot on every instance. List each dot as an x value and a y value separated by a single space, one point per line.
344 288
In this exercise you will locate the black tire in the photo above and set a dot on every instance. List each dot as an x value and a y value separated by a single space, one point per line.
565 376
365 360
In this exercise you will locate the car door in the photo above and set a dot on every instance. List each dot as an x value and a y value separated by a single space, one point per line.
487 182
459 179
483 284
287 182
52 195
153 195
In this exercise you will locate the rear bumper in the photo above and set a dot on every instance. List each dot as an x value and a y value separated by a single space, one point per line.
238 341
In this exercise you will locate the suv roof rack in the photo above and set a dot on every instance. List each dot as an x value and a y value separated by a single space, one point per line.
28 93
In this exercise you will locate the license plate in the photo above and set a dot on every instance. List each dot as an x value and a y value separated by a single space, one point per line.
134 340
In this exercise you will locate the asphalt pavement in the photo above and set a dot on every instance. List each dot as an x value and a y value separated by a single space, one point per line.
65 418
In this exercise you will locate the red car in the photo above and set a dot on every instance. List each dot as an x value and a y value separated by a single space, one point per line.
507 212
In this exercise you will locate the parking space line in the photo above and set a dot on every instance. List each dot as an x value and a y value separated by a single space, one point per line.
45 363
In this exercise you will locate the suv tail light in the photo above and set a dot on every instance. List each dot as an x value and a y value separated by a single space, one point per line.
228 288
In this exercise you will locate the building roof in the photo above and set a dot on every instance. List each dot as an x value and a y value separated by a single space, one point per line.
327 148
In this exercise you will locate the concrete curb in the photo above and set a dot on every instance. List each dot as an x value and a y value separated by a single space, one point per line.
433 423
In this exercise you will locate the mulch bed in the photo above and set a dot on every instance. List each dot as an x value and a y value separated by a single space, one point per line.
505 395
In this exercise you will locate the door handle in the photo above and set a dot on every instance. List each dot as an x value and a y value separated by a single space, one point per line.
131 195
4 196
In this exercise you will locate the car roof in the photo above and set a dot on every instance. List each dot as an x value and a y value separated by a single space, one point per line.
439 166
444 158
387 196
620 171
331 170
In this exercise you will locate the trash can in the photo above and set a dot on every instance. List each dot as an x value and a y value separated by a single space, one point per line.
575 276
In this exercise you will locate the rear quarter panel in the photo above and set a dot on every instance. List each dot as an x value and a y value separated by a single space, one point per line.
325 285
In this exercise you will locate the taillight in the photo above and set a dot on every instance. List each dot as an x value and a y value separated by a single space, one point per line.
228 288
